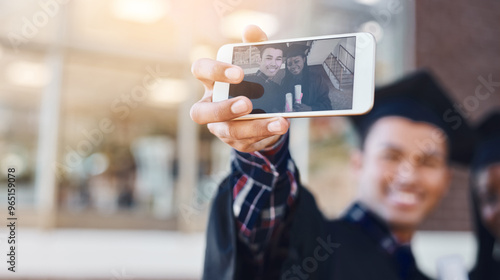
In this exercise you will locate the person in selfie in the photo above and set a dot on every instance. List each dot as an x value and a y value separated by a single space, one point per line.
265 225
271 98
315 90
485 186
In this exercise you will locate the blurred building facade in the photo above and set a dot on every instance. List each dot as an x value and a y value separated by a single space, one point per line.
467 63
96 97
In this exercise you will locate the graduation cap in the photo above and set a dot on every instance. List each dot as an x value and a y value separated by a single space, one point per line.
296 50
487 149
419 97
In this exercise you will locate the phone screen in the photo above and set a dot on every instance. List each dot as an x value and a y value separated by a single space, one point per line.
299 76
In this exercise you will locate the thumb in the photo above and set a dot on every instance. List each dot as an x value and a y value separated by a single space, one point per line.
253 33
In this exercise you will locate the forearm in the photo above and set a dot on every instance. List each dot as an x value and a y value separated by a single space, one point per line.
264 189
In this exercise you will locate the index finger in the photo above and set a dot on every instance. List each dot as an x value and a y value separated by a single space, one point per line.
209 71
205 111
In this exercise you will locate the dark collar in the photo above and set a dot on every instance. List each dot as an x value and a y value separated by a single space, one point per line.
264 77
360 216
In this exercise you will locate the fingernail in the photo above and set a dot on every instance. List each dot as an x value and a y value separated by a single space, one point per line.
274 126
239 107
232 73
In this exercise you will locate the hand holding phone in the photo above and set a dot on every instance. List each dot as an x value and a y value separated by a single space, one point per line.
245 136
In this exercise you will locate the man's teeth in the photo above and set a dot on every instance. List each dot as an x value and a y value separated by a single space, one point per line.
407 198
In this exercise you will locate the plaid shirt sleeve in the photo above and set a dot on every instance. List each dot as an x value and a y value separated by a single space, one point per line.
264 188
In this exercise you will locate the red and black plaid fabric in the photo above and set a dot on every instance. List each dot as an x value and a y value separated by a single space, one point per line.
265 188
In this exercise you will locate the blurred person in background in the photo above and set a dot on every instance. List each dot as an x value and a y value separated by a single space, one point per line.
265 225
486 199
124 176
314 87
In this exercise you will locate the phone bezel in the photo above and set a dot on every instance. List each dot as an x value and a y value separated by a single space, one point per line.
363 83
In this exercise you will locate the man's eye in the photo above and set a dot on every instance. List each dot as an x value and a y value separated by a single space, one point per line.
431 162
391 156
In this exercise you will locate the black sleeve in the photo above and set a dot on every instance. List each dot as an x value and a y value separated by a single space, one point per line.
321 95
220 252
225 257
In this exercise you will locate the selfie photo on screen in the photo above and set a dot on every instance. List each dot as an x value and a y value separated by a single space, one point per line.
302 76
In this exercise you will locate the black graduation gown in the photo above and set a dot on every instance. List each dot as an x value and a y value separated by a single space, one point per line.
314 88
360 257
487 266
273 98
317 249
485 271
223 255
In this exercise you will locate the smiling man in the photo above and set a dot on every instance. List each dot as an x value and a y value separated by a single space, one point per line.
402 168
398 180
273 99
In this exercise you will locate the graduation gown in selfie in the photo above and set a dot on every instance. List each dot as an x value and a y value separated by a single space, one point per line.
315 89
316 248
266 95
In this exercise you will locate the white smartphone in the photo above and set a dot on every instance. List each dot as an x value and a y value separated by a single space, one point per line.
303 77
